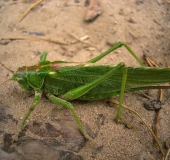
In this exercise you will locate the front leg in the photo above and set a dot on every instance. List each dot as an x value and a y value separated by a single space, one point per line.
37 99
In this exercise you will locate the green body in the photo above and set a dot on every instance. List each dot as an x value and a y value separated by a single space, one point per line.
68 76
64 81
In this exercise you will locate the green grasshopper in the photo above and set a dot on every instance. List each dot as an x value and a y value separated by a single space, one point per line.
64 81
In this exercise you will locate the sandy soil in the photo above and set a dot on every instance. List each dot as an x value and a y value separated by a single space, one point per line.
51 131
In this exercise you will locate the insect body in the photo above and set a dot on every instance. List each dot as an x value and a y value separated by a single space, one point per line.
64 81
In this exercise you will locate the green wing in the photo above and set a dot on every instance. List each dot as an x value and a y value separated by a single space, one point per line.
68 78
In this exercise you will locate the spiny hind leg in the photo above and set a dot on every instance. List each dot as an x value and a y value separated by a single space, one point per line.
116 46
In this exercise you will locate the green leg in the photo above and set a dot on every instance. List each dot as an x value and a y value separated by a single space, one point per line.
118 45
121 93
78 92
69 106
37 99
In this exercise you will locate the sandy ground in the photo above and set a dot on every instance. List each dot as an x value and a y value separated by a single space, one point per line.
51 131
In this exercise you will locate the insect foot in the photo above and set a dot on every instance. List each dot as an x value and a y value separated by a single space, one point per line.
92 142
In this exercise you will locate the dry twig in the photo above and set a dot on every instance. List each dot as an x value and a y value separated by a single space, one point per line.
26 12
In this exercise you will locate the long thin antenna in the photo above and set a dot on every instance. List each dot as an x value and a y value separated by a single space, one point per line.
7 68
9 71
4 82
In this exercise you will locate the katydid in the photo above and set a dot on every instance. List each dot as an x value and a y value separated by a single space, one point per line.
64 81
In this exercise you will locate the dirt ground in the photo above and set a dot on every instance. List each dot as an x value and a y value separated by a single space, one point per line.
51 131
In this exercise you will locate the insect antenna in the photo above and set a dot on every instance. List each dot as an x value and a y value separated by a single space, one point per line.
7 68
5 82
9 71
